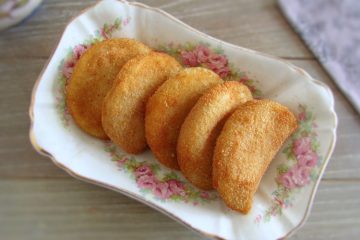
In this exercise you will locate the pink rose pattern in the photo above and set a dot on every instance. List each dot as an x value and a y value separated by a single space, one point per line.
299 174
146 182
189 59
194 55
143 171
302 153
286 180
177 187
166 187
162 190
203 56
69 64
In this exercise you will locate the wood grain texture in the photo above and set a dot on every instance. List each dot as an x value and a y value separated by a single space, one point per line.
70 209
40 201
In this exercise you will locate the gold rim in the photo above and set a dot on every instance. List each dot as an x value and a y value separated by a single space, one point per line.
42 151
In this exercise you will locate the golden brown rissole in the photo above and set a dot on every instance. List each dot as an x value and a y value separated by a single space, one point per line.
202 127
167 108
250 139
93 77
123 112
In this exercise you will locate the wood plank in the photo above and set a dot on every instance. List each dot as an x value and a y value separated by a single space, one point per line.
67 208
40 201
17 157
257 25
70 209
335 214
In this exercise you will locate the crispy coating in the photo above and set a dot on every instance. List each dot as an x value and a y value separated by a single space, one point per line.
201 128
93 77
123 112
167 108
250 139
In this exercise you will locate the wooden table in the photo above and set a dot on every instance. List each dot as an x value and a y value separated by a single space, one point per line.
40 201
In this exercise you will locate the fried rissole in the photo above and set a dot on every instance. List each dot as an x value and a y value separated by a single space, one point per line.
93 77
123 112
202 127
167 109
250 139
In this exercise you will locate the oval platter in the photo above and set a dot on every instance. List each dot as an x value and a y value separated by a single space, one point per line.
286 192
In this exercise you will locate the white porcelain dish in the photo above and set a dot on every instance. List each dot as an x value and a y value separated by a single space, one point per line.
287 190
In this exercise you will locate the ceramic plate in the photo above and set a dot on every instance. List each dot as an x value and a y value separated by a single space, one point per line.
287 190
15 11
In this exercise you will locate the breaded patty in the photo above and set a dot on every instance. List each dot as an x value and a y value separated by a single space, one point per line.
202 127
93 77
123 113
167 109
250 139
